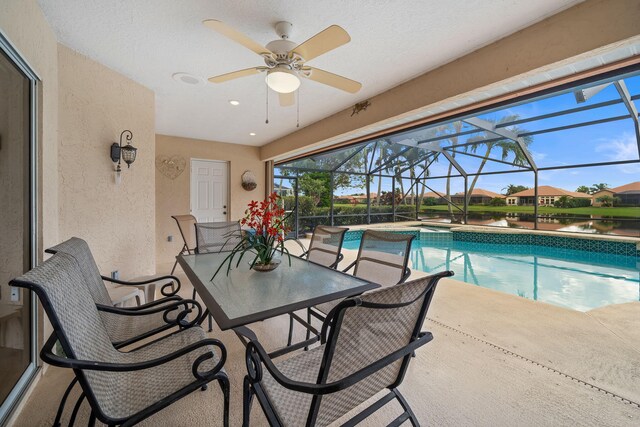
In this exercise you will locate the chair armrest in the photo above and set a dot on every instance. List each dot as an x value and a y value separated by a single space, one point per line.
146 282
48 356
305 251
165 309
405 276
256 356
160 301
338 261
349 267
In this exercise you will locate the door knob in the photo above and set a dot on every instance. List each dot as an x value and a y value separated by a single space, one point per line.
224 213
225 206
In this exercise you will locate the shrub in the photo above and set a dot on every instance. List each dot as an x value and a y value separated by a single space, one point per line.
605 201
570 202
581 203
429 201
497 201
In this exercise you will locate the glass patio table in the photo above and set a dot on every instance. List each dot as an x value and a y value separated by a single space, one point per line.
246 296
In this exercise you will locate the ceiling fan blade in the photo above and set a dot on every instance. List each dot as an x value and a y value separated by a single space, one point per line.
235 74
334 80
326 40
287 99
236 36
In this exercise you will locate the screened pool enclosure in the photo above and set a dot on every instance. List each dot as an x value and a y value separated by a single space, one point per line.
567 160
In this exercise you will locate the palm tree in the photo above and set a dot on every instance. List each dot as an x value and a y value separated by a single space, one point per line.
506 147
598 187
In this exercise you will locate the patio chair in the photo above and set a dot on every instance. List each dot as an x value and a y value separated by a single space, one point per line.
366 347
121 388
326 246
186 226
382 258
217 236
325 249
126 325
220 236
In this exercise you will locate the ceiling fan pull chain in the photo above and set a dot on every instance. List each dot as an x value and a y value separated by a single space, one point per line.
267 87
298 112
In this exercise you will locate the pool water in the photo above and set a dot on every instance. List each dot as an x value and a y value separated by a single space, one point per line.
579 280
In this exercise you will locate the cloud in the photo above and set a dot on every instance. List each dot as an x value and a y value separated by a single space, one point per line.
538 156
624 147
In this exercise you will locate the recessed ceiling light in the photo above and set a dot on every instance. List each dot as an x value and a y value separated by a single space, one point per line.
252 134
234 102
187 78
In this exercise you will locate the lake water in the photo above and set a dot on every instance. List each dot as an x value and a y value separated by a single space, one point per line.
551 222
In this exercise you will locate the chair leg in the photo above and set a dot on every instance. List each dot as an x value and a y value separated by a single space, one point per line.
76 408
210 316
225 387
92 419
247 399
308 331
407 408
63 402
290 337
175 264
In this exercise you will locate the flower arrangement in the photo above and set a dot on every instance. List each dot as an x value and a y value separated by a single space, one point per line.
267 221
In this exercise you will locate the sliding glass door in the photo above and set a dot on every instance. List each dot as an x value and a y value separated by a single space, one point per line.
17 225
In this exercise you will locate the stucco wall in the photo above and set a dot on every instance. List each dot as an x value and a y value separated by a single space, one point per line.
577 31
173 195
118 221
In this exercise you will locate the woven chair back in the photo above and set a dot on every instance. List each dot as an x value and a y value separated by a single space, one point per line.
326 244
383 257
59 283
365 335
217 236
187 231
79 249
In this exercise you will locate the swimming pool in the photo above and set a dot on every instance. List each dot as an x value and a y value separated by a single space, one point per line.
576 279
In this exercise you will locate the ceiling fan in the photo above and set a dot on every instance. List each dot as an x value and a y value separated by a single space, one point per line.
285 61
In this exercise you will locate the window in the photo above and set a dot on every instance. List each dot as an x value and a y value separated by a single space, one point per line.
17 243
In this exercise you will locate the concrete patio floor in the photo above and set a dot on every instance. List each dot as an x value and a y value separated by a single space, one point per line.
496 359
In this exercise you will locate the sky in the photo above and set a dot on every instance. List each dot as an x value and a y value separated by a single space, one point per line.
605 142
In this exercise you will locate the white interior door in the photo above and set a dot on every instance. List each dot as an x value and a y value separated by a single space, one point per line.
209 184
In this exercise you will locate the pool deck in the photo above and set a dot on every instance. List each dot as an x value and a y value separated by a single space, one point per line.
496 359
600 347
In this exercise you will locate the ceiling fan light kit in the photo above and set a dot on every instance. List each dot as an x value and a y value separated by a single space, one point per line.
282 80
285 61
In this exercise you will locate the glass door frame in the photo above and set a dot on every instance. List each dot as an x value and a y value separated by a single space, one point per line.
13 399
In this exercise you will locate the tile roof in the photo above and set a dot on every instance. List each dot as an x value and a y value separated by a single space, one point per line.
482 192
633 187
547 190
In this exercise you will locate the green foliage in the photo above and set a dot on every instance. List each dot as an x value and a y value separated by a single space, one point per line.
606 201
429 201
598 187
512 189
570 202
582 189
386 198
316 185
497 201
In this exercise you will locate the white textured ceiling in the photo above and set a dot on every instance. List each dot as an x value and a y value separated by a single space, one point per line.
392 42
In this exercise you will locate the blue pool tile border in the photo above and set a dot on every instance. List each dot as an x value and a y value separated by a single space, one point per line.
590 245
574 243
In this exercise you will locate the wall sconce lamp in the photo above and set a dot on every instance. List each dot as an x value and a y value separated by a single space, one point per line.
126 153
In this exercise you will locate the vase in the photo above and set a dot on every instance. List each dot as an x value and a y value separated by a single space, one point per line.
267 267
